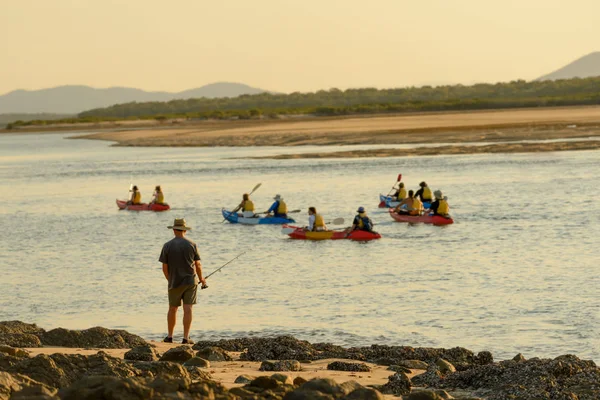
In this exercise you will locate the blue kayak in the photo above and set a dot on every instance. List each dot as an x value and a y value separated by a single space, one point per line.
236 218
388 202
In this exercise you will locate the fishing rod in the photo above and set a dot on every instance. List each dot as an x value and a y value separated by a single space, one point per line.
220 268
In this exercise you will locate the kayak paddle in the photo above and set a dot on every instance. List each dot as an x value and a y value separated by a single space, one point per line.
253 190
394 187
337 221
220 268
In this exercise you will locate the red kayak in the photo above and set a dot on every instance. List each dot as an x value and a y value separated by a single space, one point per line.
122 204
422 219
361 236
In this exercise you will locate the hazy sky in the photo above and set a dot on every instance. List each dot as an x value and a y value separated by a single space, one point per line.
286 45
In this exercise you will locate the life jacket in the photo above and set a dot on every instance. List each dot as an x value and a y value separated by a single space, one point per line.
427 194
248 205
364 223
319 222
417 207
443 208
401 194
160 198
282 208
137 197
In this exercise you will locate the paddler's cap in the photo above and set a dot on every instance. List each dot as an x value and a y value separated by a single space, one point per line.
438 194
277 197
157 187
179 225
135 187
422 184
361 210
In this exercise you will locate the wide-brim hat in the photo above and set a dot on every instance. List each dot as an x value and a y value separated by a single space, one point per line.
179 225
277 197
360 210
438 194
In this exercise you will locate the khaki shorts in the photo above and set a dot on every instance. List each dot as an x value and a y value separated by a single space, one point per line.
187 293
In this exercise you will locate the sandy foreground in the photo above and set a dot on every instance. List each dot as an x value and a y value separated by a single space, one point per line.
457 127
227 371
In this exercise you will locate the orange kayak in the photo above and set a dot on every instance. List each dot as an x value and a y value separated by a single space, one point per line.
122 204
421 219
361 236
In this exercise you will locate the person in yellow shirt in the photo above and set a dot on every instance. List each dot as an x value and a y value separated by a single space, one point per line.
158 197
247 206
316 223
400 193
424 193
135 197
440 205
411 205
278 208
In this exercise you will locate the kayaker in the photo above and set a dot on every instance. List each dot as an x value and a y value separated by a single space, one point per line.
278 208
247 206
182 268
405 205
440 205
316 223
361 221
135 197
424 193
158 197
400 193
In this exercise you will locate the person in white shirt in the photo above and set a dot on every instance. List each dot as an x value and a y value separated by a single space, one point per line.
316 223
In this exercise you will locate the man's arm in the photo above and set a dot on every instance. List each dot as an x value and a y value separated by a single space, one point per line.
198 266
166 271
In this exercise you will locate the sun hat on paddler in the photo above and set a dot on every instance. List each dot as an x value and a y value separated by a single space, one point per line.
179 225
277 197
438 194
360 210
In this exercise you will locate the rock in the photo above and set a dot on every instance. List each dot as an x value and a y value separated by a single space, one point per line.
430 378
17 327
15 352
399 368
279 348
398 384
179 354
264 383
13 386
445 366
364 394
414 364
7 361
519 357
283 365
20 340
307 395
484 357
299 381
214 354
241 392
426 395
142 353
197 362
169 384
244 379
106 387
283 379
197 373
347 366
162 368
96 337
323 385
350 386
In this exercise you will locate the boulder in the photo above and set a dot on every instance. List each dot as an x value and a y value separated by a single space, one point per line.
18 327
178 354
426 395
519 357
7 361
20 340
484 357
299 381
96 337
430 378
414 364
283 379
197 362
307 395
15 352
244 379
21 386
324 385
242 392
364 394
214 354
445 366
264 383
107 387
279 348
162 368
283 365
141 353
398 384
170 384
197 373
348 366
399 368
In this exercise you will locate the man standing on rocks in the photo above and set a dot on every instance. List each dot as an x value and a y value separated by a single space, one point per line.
181 265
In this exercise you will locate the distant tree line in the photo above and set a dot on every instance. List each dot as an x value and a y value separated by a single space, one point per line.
334 102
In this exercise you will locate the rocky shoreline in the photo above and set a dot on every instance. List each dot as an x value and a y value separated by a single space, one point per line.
100 363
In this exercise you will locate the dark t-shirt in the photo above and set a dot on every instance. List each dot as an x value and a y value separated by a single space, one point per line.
180 255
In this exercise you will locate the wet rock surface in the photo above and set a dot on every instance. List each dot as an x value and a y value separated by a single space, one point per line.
96 337
15 385
213 354
179 354
398 384
197 362
282 365
348 366
565 377
142 353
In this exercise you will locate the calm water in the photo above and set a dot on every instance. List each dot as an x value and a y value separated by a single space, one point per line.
516 273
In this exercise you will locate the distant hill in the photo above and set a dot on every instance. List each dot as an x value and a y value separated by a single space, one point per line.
75 99
585 67
8 118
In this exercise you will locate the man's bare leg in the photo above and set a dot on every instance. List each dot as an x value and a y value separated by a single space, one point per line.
187 320
172 319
